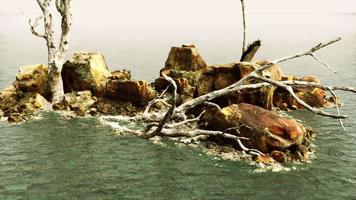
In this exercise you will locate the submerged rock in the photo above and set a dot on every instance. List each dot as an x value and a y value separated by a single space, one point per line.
85 71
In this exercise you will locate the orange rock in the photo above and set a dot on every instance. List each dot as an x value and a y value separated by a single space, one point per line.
265 129
185 58
136 92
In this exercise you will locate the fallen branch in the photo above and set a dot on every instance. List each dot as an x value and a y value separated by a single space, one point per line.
301 102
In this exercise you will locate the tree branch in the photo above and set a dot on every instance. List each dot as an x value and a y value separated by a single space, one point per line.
323 63
244 41
236 86
34 25
301 102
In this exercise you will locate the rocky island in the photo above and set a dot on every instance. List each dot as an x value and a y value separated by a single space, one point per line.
247 119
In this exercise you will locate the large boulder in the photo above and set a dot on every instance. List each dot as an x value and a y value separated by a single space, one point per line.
33 78
266 130
137 92
185 58
86 71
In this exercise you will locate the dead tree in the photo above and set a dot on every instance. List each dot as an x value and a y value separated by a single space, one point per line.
175 123
56 53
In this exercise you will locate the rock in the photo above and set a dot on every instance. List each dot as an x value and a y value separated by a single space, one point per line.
93 111
205 84
185 58
8 98
85 71
110 107
31 103
273 72
264 159
315 97
79 100
15 118
33 78
266 130
279 156
137 92
184 89
121 75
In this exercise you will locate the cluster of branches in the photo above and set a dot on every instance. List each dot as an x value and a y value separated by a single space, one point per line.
175 123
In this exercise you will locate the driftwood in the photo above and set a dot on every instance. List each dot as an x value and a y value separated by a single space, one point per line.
250 52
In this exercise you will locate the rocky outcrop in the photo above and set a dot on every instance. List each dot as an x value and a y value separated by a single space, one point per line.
8 98
137 92
33 78
86 71
27 95
25 108
267 131
185 65
186 58
31 103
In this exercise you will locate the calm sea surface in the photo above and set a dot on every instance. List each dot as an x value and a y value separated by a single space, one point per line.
54 158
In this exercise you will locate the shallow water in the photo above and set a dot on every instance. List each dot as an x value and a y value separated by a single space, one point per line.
54 158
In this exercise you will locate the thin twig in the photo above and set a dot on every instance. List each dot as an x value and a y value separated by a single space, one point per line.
337 107
323 63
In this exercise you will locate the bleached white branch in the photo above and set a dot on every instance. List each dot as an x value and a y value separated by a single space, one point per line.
33 26
337 107
301 102
236 86
323 63
244 40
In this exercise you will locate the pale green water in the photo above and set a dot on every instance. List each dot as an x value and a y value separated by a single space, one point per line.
55 158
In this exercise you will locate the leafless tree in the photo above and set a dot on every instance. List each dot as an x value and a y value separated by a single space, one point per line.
56 53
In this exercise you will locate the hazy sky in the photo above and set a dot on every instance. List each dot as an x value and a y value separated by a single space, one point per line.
140 32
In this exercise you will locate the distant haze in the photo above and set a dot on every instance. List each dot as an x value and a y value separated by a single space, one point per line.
137 34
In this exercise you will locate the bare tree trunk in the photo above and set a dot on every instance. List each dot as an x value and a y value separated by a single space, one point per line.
56 54
244 41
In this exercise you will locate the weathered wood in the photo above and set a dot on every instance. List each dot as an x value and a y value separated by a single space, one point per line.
250 52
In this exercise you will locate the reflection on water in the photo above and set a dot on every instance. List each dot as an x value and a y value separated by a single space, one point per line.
79 159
